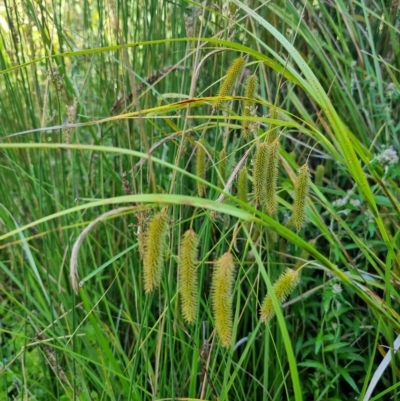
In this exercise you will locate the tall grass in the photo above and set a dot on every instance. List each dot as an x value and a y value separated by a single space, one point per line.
105 108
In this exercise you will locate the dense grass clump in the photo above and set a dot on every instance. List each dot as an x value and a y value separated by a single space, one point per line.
192 160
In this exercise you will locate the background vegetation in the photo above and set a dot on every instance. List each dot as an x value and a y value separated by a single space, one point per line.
90 90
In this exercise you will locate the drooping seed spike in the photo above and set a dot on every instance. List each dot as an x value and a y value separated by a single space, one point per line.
248 104
283 287
187 281
222 285
153 262
300 197
260 173
231 76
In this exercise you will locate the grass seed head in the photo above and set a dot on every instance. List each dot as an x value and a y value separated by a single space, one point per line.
222 285
248 104
300 197
260 173
153 262
187 281
231 76
282 288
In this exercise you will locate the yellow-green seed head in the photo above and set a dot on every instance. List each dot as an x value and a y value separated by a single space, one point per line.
248 104
222 285
187 281
283 287
231 76
153 262
251 87
260 173
300 197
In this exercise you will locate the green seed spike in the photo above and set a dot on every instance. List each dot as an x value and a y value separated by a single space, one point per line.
153 262
282 288
231 76
248 104
222 285
187 281
260 173
300 197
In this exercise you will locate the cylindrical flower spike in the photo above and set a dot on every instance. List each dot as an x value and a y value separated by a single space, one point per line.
300 197
187 282
153 263
232 74
248 104
260 173
282 288
222 284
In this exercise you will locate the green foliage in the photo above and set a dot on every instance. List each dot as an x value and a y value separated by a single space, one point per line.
140 85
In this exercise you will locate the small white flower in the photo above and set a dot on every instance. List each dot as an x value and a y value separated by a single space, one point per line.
355 202
387 157
340 202
336 288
